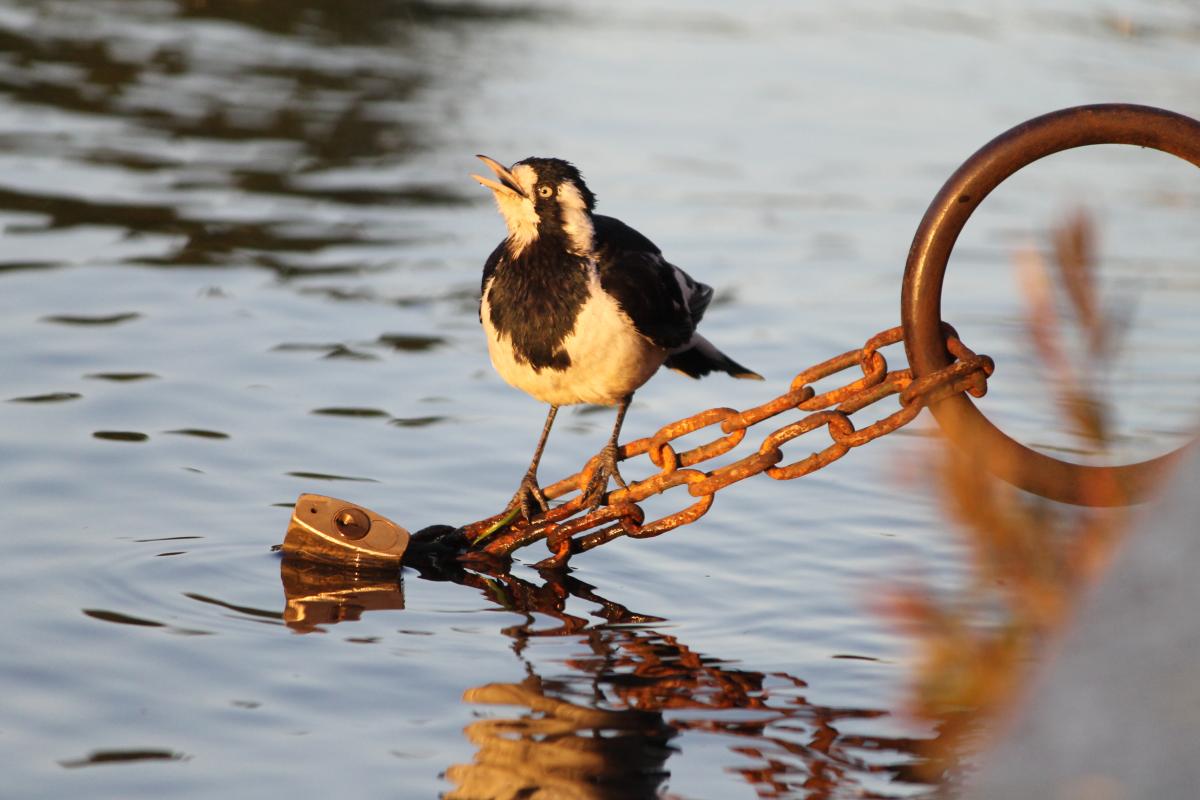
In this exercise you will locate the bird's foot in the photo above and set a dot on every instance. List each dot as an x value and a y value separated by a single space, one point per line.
593 493
529 498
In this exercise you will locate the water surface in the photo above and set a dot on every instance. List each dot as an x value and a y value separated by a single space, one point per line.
240 261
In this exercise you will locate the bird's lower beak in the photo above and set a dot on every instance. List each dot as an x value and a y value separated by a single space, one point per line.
507 183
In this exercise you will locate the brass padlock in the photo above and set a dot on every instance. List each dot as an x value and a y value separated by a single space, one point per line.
334 531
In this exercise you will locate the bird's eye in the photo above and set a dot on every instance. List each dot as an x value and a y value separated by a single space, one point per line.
545 190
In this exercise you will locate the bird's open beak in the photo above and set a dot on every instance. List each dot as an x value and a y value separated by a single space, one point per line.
507 183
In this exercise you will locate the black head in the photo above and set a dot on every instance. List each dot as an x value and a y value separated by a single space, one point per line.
552 173
542 198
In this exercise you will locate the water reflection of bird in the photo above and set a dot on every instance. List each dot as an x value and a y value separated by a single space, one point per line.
580 308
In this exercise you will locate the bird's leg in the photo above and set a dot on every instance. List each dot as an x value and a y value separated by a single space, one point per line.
529 495
593 494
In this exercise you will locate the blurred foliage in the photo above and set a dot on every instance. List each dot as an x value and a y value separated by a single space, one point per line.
1031 559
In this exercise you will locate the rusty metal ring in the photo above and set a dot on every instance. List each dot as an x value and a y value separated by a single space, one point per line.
921 296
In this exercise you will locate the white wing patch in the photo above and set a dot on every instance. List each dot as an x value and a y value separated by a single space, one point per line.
696 295
685 286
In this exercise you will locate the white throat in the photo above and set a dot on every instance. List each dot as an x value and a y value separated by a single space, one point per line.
520 217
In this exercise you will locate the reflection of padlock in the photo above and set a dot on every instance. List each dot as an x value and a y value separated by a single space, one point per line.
319 594
335 531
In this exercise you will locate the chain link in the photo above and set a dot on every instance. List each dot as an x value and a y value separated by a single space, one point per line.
566 533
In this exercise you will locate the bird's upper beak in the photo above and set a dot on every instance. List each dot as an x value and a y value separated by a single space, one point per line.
507 183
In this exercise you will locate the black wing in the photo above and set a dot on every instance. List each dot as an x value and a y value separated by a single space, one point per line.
662 300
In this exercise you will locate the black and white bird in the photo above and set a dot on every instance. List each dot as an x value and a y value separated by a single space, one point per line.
581 308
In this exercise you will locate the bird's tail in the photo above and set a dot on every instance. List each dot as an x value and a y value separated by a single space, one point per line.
699 357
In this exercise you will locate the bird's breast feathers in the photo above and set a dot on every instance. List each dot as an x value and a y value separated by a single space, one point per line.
605 357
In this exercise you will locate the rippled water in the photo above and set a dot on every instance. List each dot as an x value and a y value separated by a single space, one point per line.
240 260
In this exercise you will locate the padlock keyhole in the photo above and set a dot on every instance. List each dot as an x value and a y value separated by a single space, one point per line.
352 523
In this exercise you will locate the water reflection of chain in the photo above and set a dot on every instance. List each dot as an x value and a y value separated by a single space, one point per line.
605 721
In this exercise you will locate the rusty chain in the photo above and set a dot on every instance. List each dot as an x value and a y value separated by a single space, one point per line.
567 534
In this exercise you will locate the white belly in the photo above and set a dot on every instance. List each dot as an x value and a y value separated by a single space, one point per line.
609 358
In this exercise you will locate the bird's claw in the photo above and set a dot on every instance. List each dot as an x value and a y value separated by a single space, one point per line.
529 498
597 485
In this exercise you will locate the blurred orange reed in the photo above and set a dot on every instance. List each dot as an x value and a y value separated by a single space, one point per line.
1031 559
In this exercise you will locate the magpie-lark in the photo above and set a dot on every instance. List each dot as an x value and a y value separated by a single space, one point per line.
580 308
